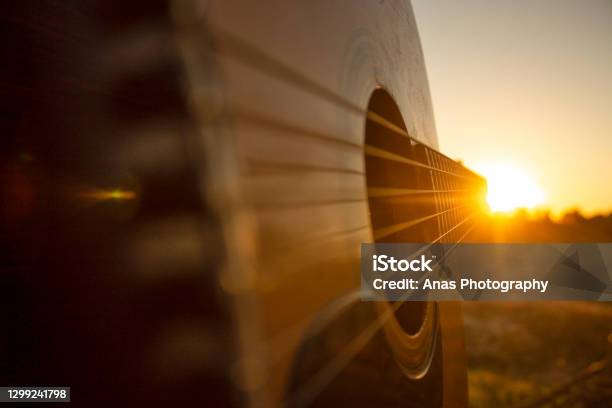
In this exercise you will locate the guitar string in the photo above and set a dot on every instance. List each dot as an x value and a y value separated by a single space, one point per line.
326 374
378 193
250 55
272 283
373 151
281 343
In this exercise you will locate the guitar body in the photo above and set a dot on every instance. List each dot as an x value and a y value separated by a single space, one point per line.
223 266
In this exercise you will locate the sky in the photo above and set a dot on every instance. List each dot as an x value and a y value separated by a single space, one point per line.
527 83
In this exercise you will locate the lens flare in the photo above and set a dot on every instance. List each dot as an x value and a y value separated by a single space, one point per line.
104 195
510 188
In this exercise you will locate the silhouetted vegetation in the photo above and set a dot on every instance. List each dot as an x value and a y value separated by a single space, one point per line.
541 227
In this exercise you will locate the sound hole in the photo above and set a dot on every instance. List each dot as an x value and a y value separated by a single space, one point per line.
397 191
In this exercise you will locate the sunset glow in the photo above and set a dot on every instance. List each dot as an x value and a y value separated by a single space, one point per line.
510 188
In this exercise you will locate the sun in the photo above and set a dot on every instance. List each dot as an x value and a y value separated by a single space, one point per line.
510 187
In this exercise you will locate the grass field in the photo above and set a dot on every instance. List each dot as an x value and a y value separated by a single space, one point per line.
519 353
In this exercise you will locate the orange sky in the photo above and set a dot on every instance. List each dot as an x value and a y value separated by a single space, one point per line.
527 83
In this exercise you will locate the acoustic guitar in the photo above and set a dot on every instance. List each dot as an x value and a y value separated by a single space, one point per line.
186 186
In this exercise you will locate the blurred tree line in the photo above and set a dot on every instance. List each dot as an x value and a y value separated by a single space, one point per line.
522 226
